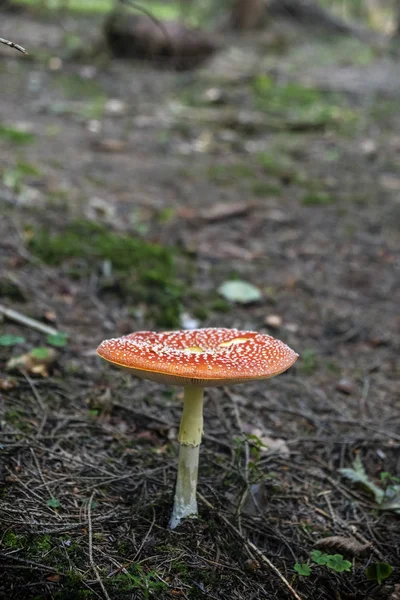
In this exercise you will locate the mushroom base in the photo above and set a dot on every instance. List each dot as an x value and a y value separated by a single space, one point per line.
185 503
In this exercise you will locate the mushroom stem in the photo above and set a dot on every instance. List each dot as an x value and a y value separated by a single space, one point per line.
190 432
191 428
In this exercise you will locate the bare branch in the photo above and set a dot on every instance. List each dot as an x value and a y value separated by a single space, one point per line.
12 45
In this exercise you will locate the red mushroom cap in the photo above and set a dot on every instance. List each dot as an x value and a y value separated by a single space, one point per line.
199 357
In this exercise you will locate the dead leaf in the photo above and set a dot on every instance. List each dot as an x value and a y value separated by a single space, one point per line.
241 292
390 182
257 500
343 544
274 446
109 145
252 565
225 210
55 63
396 592
369 148
346 386
162 449
50 315
115 107
224 250
98 208
7 383
55 578
214 96
277 215
273 321
35 362
146 435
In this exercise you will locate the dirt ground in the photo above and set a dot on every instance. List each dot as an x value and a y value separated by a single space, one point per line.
128 195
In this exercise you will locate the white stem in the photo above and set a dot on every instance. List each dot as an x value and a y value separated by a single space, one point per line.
185 503
190 432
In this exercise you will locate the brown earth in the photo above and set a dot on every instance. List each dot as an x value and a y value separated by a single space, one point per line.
237 174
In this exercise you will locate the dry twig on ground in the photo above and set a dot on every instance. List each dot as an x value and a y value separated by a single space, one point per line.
252 548
18 317
91 559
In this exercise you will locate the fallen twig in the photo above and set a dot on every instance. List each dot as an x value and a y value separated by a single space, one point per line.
252 547
30 563
18 317
13 45
68 526
92 563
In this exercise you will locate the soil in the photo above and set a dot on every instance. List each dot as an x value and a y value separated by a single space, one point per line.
128 196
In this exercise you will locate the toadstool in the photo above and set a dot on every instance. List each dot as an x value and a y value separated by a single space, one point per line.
196 359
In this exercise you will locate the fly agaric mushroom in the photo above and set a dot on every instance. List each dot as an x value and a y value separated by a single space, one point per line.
196 359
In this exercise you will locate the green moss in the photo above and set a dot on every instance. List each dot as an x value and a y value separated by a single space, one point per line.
9 289
342 51
317 198
228 174
18 419
220 305
275 96
266 188
137 578
13 177
278 165
308 363
94 109
15 136
180 567
41 544
145 272
73 587
75 87
12 540
158 8
298 105
333 367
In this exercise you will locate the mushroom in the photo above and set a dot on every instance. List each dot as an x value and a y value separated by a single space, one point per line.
196 359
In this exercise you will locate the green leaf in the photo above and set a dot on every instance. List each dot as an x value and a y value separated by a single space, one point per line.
11 340
40 353
378 572
302 569
57 339
391 499
319 557
240 292
53 503
358 475
337 563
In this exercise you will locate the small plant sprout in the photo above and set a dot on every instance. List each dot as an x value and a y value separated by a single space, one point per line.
378 572
197 359
302 569
336 562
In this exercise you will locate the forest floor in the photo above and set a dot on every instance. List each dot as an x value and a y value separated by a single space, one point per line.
128 196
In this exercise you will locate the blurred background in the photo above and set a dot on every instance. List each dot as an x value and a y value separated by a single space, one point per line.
183 164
